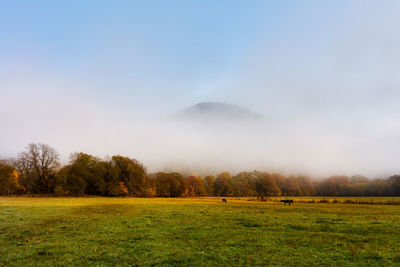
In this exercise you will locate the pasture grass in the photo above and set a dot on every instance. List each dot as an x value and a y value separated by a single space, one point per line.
195 231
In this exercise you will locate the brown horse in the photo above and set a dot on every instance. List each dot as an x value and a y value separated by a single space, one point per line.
289 201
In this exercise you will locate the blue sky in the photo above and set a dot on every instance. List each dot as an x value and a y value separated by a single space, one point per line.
72 69
169 47
173 48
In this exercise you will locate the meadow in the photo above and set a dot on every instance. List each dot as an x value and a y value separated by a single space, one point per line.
100 231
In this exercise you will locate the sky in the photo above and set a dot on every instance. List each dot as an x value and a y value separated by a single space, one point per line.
104 77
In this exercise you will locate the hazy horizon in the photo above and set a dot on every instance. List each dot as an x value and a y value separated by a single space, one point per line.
106 78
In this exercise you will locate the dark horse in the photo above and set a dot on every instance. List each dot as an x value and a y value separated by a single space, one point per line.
224 200
289 201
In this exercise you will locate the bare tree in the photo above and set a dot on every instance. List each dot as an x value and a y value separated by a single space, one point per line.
37 167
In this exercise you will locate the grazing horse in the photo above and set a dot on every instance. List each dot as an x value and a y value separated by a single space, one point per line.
289 201
224 200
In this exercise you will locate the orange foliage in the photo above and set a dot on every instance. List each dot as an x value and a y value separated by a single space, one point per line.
123 189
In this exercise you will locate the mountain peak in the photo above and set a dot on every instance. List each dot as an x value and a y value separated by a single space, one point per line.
218 111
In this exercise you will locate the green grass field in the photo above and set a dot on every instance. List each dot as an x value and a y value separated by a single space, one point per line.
196 232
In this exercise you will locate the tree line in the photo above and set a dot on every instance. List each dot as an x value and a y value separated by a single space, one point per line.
37 170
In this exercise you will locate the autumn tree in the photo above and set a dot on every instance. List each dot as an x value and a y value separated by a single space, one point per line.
195 186
85 175
61 181
394 185
112 185
281 182
150 189
9 180
169 184
266 185
306 186
376 187
244 184
292 187
223 184
132 173
336 186
209 185
162 184
177 184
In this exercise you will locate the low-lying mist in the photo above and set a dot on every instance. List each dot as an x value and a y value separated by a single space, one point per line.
310 147
201 143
